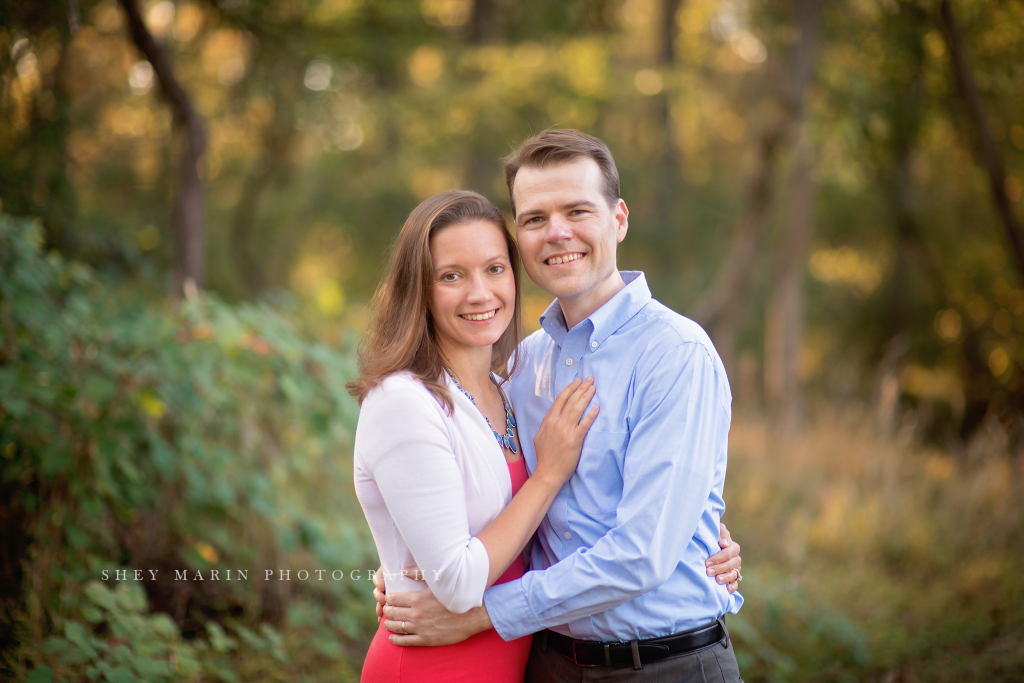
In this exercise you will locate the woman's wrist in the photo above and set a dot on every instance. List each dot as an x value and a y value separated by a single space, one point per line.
547 478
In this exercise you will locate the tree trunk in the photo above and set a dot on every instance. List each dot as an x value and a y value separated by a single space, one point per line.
671 177
277 142
718 308
484 27
784 317
990 157
190 204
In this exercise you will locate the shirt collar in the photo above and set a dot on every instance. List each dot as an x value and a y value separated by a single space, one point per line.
606 320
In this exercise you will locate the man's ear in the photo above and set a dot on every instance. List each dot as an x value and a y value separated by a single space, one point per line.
621 220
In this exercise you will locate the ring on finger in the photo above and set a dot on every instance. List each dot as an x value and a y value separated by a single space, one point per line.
739 576
403 628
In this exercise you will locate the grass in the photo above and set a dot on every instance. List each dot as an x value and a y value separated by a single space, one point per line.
869 558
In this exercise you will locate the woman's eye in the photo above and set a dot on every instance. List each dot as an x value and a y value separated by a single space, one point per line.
448 277
497 269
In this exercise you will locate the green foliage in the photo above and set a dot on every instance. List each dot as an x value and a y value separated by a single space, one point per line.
140 647
134 434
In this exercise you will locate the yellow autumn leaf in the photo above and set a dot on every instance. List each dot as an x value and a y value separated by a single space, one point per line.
207 552
152 405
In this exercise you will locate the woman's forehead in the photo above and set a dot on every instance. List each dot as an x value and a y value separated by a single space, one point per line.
476 237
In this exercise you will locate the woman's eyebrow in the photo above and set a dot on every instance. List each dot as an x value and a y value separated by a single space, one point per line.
496 257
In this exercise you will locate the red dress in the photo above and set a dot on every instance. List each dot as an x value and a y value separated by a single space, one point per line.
483 657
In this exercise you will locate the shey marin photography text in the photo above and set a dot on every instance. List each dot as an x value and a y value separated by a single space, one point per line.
243 574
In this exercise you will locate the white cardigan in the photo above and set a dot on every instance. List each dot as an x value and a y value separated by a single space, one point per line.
428 483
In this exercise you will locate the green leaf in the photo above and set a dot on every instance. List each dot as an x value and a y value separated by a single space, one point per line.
75 633
121 674
150 668
56 645
186 665
163 626
92 615
121 654
40 674
225 674
101 595
131 598
219 641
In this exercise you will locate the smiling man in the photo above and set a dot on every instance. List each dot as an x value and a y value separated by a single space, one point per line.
620 564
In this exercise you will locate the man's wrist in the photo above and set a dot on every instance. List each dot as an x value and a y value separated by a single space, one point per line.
482 622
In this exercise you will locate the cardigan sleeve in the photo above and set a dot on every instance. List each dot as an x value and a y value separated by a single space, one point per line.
407 449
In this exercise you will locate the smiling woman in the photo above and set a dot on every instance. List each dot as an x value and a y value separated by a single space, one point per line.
402 336
440 488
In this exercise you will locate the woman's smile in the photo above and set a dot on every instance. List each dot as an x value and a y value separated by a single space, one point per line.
485 316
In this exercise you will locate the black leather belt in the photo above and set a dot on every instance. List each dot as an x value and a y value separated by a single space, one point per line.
594 653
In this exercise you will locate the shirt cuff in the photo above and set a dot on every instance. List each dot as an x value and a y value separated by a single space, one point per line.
510 612
737 602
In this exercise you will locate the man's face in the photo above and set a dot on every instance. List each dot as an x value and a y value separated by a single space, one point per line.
567 232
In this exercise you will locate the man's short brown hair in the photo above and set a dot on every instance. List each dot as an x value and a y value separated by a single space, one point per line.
558 147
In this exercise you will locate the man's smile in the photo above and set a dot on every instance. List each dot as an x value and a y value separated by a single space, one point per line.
564 258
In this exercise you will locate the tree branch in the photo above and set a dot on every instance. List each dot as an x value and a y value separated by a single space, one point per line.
190 203
991 158
717 308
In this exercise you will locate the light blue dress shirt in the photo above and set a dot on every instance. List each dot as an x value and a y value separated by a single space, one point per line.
620 555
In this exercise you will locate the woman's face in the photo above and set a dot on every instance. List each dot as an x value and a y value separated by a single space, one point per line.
473 295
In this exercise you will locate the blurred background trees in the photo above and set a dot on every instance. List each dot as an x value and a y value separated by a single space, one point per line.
832 189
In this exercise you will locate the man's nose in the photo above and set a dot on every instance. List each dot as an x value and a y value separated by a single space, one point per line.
558 229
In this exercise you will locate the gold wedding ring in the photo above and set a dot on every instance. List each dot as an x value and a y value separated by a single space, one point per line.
403 628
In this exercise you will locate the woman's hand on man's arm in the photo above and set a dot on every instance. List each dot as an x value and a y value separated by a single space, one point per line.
726 564
419 618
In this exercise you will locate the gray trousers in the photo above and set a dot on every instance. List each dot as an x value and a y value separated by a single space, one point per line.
712 664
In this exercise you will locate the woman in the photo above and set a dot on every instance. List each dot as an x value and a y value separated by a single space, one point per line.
440 487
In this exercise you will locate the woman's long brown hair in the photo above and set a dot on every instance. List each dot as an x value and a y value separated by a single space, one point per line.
401 336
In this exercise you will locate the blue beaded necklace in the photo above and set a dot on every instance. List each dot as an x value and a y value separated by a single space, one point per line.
508 440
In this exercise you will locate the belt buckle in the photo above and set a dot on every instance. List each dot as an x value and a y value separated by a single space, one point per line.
607 655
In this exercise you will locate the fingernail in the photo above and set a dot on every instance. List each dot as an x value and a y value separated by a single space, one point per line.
708 563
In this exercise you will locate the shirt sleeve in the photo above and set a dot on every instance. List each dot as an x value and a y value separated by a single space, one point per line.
407 449
679 425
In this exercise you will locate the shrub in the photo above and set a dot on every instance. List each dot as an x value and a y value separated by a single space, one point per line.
146 434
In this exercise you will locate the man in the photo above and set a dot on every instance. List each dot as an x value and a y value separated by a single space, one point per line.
620 562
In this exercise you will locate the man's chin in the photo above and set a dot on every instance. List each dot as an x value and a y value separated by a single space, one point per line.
559 286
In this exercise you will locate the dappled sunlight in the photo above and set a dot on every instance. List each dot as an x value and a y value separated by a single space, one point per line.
847 266
825 194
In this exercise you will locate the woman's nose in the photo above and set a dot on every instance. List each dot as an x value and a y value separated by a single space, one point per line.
478 290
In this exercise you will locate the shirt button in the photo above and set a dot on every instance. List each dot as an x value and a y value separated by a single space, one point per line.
568 361
593 345
567 535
